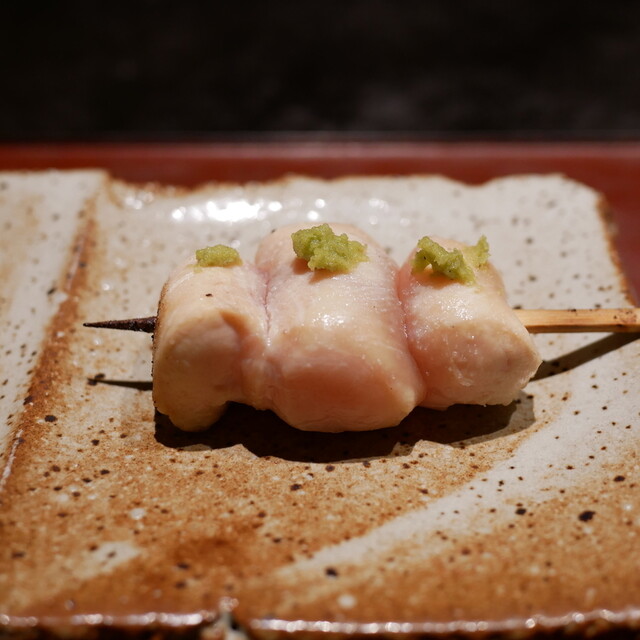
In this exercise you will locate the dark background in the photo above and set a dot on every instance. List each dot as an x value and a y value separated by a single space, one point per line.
155 70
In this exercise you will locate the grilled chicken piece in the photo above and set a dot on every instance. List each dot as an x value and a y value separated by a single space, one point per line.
209 343
467 342
338 358
333 351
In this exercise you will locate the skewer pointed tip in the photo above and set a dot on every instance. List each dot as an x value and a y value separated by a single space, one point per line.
147 325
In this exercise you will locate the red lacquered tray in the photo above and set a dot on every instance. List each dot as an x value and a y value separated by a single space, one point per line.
612 168
466 522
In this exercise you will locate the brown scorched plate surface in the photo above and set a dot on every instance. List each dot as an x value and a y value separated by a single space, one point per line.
525 517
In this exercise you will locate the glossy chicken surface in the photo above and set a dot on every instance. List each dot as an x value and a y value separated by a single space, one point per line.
209 343
333 351
338 358
468 343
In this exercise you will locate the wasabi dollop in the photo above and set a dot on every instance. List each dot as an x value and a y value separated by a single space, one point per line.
455 264
321 248
217 256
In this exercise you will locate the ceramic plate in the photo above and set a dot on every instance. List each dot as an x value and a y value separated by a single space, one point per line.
464 521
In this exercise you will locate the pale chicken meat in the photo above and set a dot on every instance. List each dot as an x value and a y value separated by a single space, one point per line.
351 350
469 345
337 357
209 343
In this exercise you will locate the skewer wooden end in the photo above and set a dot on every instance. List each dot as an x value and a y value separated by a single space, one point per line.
580 320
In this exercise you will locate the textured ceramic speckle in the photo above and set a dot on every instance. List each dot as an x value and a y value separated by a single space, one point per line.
469 520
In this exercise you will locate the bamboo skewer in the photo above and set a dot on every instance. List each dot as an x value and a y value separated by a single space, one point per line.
626 320
580 320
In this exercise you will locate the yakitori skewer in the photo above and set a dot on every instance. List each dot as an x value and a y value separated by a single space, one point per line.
356 353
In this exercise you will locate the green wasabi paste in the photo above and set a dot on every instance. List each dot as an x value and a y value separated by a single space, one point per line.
217 256
455 264
478 255
321 248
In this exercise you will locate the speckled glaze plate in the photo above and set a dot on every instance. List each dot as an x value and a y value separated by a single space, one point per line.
473 520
